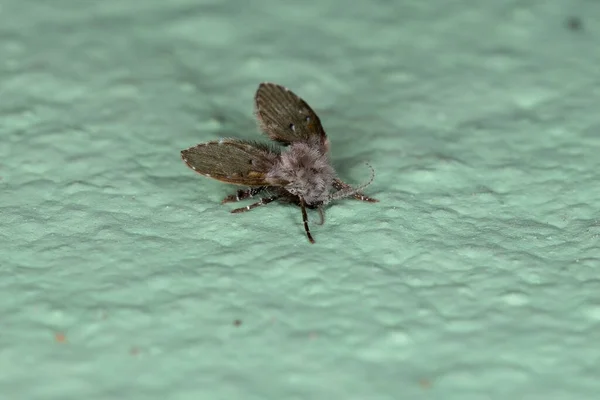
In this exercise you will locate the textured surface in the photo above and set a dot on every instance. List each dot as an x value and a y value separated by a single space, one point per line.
476 277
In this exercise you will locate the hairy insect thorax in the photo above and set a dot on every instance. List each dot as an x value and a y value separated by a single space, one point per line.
308 171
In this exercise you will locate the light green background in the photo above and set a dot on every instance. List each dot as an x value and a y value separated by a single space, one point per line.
475 277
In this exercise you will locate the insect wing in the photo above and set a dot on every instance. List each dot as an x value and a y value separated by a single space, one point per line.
232 161
285 117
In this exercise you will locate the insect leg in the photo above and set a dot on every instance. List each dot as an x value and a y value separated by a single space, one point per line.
305 220
321 214
243 194
261 202
339 185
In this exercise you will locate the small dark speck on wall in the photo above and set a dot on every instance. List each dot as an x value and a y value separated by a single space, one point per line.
574 24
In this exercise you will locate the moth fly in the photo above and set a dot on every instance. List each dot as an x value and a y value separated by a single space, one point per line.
297 170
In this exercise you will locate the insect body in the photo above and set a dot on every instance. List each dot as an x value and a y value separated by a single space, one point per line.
297 171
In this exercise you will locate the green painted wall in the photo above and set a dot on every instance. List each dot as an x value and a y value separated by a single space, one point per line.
475 277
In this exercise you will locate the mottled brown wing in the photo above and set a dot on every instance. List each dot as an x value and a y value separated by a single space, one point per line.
285 117
232 161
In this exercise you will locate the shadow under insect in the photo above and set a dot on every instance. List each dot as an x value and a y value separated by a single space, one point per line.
298 171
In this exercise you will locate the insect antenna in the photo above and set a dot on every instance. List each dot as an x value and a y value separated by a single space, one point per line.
350 191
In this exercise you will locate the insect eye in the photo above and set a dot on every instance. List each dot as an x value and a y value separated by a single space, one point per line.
293 127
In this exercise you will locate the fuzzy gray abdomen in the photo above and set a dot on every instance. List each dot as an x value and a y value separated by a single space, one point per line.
307 171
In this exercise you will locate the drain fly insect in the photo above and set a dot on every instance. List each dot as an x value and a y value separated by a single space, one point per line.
297 170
